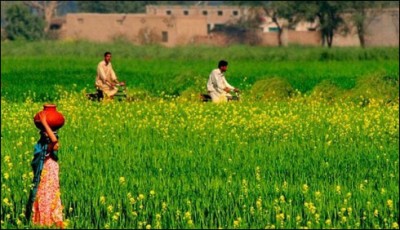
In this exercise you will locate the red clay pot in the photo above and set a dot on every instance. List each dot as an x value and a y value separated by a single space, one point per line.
54 118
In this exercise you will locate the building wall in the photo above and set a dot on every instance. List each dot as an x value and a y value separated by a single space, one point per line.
350 38
138 28
215 39
104 27
179 29
213 14
269 39
308 38
291 37
346 35
187 28
381 29
384 29
268 25
342 40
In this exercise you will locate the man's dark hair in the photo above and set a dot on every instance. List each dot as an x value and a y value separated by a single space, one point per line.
222 63
107 53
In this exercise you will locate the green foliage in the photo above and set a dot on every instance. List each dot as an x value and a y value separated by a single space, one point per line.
137 94
172 72
192 87
376 86
21 24
123 6
329 14
327 90
124 49
272 88
112 6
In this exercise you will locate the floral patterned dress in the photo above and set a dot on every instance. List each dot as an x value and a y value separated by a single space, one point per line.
47 208
44 204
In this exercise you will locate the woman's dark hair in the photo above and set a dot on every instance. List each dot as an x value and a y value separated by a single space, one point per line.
222 63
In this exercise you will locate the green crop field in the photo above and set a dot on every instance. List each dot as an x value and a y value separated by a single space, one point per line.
313 142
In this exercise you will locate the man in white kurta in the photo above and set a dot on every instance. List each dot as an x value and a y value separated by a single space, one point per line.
106 78
217 86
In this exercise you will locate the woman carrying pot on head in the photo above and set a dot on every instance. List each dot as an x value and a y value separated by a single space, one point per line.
44 205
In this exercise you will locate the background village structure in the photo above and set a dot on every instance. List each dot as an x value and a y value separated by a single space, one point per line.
198 24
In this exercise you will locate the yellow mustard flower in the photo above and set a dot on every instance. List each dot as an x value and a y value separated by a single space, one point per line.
102 199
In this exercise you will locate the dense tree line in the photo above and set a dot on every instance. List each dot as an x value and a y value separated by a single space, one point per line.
31 19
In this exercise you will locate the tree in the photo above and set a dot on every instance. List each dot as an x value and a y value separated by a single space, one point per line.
281 9
359 14
46 9
363 13
329 14
21 24
276 10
